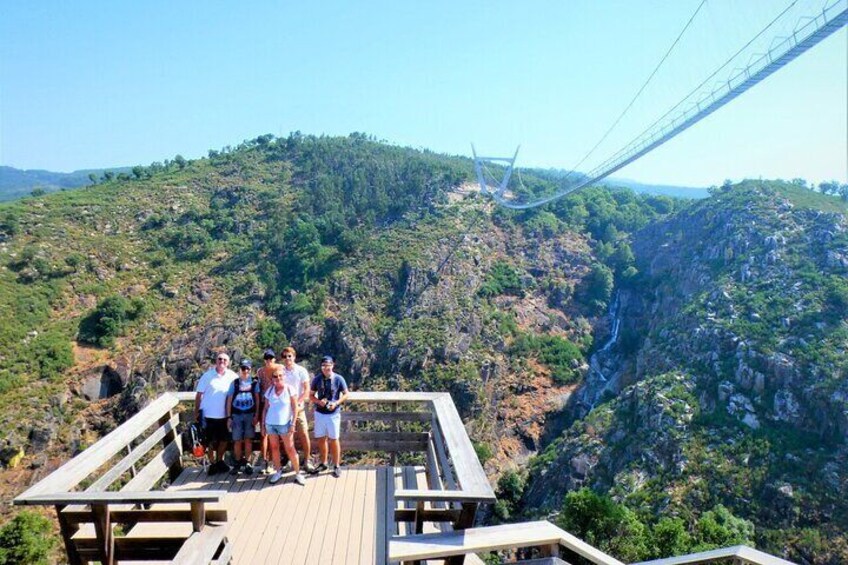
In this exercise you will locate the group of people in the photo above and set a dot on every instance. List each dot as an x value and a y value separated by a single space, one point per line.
231 406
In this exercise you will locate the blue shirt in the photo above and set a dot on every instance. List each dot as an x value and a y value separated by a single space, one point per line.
241 393
329 388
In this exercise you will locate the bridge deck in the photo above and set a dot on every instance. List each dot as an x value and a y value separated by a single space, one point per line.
329 521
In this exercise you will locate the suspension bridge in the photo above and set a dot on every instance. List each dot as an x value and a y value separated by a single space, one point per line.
696 106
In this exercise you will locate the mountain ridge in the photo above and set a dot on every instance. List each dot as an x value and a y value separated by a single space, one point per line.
375 254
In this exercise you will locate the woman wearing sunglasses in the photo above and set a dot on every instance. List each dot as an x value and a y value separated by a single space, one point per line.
278 417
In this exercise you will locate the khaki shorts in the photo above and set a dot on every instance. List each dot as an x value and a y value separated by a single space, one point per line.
302 423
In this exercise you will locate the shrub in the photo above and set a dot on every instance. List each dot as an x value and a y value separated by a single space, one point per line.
26 539
270 334
602 522
502 279
555 352
52 354
109 320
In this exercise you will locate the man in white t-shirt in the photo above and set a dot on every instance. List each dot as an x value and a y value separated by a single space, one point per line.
210 409
297 377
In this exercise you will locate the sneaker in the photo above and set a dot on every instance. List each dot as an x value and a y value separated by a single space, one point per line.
234 469
212 469
319 468
300 479
309 467
268 469
337 471
275 478
223 467
247 469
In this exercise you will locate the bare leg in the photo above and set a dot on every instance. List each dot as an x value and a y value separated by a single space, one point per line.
222 448
237 449
274 444
288 443
303 435
322 449
336 448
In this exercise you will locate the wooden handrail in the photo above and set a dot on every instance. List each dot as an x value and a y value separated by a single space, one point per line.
743 553
77 469
123 497
507 536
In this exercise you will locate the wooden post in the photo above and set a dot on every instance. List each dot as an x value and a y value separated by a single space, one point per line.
198 515
419 517
395 428
551 550
465 520
103 529
177 468
68 530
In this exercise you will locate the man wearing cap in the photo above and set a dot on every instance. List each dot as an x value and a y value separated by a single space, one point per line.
328 391
265 375
210 409
297 378
242 415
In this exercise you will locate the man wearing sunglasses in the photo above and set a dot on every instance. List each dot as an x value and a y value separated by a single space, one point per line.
297 377
210 409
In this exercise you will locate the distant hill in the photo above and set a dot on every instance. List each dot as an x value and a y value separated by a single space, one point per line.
16 183
663 189
563 178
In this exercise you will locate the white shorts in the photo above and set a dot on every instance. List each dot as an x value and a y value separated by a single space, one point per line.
328 424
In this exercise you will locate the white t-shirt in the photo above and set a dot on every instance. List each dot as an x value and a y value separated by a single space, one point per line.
279 407
298 379
214 388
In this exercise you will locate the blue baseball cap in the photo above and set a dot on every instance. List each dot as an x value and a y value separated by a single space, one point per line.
269 354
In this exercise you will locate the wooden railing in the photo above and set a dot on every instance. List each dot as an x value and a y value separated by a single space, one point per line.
109 484
549 541
547 538
457 483
80 492
740 554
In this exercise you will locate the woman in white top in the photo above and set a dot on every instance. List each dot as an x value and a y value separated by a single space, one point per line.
278 416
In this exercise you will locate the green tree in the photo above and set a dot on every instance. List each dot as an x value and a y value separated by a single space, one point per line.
597 287
138 171
109 320
602 522
38 191
669 538
93 178
270 334
26 539
720 528
180 161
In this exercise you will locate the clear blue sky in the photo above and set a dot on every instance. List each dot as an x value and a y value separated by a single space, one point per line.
97 84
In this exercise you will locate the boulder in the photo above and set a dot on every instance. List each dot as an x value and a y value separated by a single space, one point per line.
103 382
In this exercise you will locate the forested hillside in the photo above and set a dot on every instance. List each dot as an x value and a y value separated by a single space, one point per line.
388 259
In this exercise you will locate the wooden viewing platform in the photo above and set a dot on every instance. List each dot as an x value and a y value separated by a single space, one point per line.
135 497
132 497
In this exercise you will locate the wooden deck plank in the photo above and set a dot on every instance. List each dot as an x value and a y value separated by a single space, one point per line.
316 521
266 505
297 548
374 549
338 527
287 523
353 540
273 543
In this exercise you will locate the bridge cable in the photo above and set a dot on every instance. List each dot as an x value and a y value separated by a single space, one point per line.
639 93
709 78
